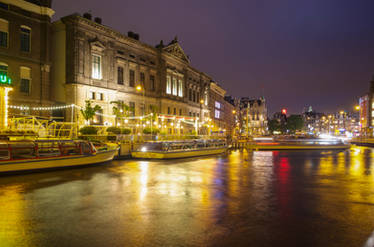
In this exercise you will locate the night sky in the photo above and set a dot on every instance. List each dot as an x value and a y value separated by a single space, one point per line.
294 52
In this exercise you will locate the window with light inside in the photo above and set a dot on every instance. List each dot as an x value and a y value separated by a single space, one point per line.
96 66
25 75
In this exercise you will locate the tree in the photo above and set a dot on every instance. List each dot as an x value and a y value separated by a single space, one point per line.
120 110
89 112
295 123
274 125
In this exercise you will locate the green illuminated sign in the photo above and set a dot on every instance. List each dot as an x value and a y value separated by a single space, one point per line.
4 79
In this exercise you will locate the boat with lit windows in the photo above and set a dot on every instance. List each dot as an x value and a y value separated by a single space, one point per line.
27 155
269 143
179 149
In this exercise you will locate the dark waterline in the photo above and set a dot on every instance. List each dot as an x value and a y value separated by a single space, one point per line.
240 199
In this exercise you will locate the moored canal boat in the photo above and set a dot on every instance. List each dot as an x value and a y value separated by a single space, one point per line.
298 144
179 149
28 155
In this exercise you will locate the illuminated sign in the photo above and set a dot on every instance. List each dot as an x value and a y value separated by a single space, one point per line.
4 79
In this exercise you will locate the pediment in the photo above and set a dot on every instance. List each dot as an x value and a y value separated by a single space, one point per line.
97 45
176 50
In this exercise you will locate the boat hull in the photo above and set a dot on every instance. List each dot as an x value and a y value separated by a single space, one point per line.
176 155
56 162
299 147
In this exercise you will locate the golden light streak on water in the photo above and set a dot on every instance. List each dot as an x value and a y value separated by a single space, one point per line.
14 226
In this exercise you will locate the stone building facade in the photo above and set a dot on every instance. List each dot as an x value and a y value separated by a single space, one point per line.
93 61
254 116
25 28
217 106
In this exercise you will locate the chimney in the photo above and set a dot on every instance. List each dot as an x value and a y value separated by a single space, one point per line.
136 36
98 20
130 34
87 16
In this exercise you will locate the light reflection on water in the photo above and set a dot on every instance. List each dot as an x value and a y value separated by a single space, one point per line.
258 198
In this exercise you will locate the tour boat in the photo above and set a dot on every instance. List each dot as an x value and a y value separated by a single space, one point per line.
43 154
298 144
179 149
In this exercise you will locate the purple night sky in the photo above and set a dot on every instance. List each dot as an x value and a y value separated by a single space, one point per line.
294 52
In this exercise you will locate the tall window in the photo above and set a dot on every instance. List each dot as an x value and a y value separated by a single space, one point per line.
91 95
175 111
152 82
190 94
25 39
142 79
180 88
25 75
120 75
96 67
132 78
180 112
175 86
194 96
4 30
168 84
169 110
217 113
198 97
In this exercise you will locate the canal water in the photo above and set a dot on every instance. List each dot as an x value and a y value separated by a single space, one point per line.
262 198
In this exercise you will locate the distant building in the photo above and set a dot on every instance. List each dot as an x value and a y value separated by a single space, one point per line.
339 123
217 109
367 111
313 121
254 116
232 115
25 28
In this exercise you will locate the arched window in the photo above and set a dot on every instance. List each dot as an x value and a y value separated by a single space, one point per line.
25 84
4 33
25 37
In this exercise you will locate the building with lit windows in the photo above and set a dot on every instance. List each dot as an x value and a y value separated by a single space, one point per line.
93 61
25 28
339 123
218 109
254 120
366 105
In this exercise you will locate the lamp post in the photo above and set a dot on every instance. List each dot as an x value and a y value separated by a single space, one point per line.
234 123
139 88
201 115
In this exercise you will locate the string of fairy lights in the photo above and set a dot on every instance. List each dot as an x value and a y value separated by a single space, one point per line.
62 107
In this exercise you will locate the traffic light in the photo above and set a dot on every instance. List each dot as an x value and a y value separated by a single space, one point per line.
284 111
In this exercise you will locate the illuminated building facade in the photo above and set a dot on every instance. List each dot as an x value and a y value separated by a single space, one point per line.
339 123
220 110
366 108
254 118
95 62
25 28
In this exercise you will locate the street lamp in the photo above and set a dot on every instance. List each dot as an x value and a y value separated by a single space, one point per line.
201 116
139 88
